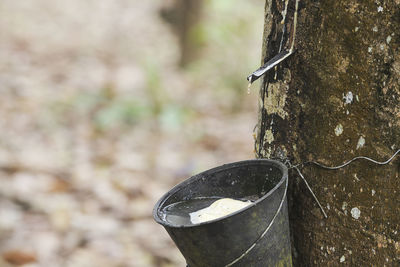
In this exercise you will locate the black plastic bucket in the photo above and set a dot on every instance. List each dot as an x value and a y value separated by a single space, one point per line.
257 235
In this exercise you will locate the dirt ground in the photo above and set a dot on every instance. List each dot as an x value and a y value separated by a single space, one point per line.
98 122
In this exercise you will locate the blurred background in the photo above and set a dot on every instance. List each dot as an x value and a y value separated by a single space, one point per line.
105 105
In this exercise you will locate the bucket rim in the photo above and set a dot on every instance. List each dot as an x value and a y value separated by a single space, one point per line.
157 207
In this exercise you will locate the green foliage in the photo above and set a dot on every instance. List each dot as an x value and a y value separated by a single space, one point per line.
155 91
120 112
173 117
230 51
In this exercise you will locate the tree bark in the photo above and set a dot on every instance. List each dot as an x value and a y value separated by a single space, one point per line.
335 98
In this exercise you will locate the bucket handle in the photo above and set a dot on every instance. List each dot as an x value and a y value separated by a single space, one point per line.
265 231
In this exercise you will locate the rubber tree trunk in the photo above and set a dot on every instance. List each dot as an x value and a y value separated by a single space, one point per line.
335 98
184 17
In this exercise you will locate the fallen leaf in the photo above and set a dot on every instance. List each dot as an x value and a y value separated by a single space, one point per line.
19 257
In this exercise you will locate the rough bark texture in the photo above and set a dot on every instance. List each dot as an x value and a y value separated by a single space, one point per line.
336 98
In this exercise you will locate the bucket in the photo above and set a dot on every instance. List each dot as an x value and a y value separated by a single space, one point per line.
257 235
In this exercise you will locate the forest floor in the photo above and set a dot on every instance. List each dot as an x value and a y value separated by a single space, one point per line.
98 122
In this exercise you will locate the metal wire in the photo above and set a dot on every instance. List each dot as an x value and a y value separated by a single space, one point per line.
312 193
350 161
335 168
290 166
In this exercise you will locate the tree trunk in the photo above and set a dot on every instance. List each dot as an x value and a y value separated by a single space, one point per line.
335 98
184 17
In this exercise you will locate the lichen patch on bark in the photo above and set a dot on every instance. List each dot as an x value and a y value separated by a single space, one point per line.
275 102
269 136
